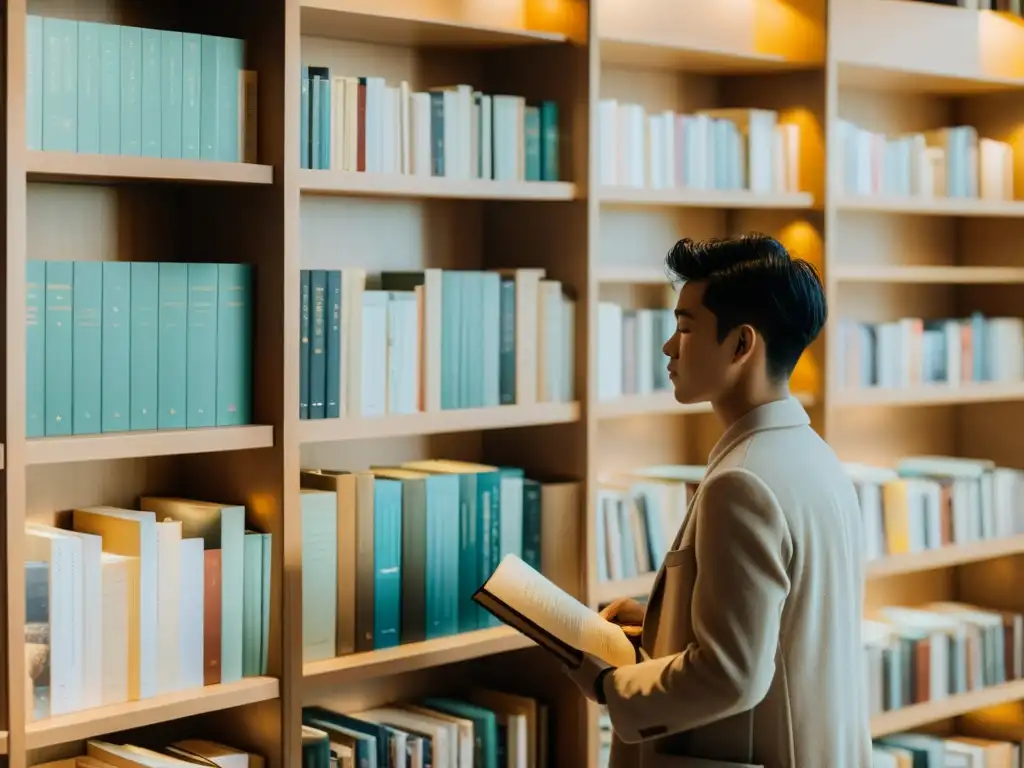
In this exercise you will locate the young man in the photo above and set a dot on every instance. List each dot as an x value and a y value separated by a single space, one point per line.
751 636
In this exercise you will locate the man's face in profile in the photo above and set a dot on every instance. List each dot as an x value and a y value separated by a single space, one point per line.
697 362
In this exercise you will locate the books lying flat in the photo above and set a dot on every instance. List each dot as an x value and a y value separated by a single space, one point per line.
528 602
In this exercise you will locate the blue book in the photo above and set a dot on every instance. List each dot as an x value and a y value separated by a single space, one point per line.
35 348
305 319
59 347
387 563
231 56
131 91
333 409
89 80
172 355
110 89
305 108
34 81
325 120
87 338
201 347
60 85
171 82
117 297
191 95
317 344
234 344
152 50
145 335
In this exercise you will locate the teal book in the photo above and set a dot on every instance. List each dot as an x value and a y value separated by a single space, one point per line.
234 344
305 318
387 563
131 91
489 519
267 572
318 344
89 78
532 141
252 605
59 346
549 144
231 62
145 337
511 513
507 344
201 347
110 89
319 574
333 343
532 531
451 303
304 113
34 81
490 354
60 85
87 338
117 298
443 561
152 46
316 124
471 380
171 345
191 95
35 348
171 81
210 115
325 120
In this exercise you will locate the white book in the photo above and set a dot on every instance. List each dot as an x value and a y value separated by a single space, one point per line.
119 574
191 611
168 558
92 618
373 369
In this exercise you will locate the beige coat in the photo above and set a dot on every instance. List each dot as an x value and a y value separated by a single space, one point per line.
753 622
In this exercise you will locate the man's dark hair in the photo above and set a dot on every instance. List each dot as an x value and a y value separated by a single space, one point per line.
752 280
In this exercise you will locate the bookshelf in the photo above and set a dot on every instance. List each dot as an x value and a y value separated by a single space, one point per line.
592 228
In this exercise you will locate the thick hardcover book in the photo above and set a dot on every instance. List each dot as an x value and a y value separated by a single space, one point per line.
531 604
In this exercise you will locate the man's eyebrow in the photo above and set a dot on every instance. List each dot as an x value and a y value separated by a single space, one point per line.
683 313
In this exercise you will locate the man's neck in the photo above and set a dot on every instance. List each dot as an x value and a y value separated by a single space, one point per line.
739 403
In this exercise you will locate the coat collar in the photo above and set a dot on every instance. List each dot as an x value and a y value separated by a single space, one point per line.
778 414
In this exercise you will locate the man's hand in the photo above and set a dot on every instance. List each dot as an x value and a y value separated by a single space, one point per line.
625 612
586 676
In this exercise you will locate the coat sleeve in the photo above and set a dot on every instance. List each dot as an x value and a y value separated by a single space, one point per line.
742 548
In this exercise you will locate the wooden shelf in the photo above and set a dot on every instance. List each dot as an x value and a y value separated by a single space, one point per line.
607 591
399 185
632 275
101 169
702 198
927 274
945 557
330 18
937 206
917 715
639 405
358 667
653 55
135 714
123 445
935 394
875 78
437 423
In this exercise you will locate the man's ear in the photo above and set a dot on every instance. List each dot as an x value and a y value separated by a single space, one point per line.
745 340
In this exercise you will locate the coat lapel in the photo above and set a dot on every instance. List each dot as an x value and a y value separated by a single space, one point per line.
780 414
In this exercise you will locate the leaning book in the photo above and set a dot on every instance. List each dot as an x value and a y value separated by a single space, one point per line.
531 604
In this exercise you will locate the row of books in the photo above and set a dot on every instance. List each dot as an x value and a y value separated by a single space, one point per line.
128 604
913 351
946 162
927 502
937 650
726 149
114 346
975 744
120 90
484 728
393 555
364 124
178 754
405 342
638 516
629 359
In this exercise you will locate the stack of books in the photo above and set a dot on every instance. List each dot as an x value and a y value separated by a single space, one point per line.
720 149
630 360
129 604
364 124
406 342
120 90
114 346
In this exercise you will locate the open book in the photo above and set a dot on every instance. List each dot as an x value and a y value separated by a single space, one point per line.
526 601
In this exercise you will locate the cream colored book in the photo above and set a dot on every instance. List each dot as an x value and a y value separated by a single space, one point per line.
528 602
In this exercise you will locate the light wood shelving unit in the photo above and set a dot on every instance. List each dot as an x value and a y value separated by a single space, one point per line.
893 64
